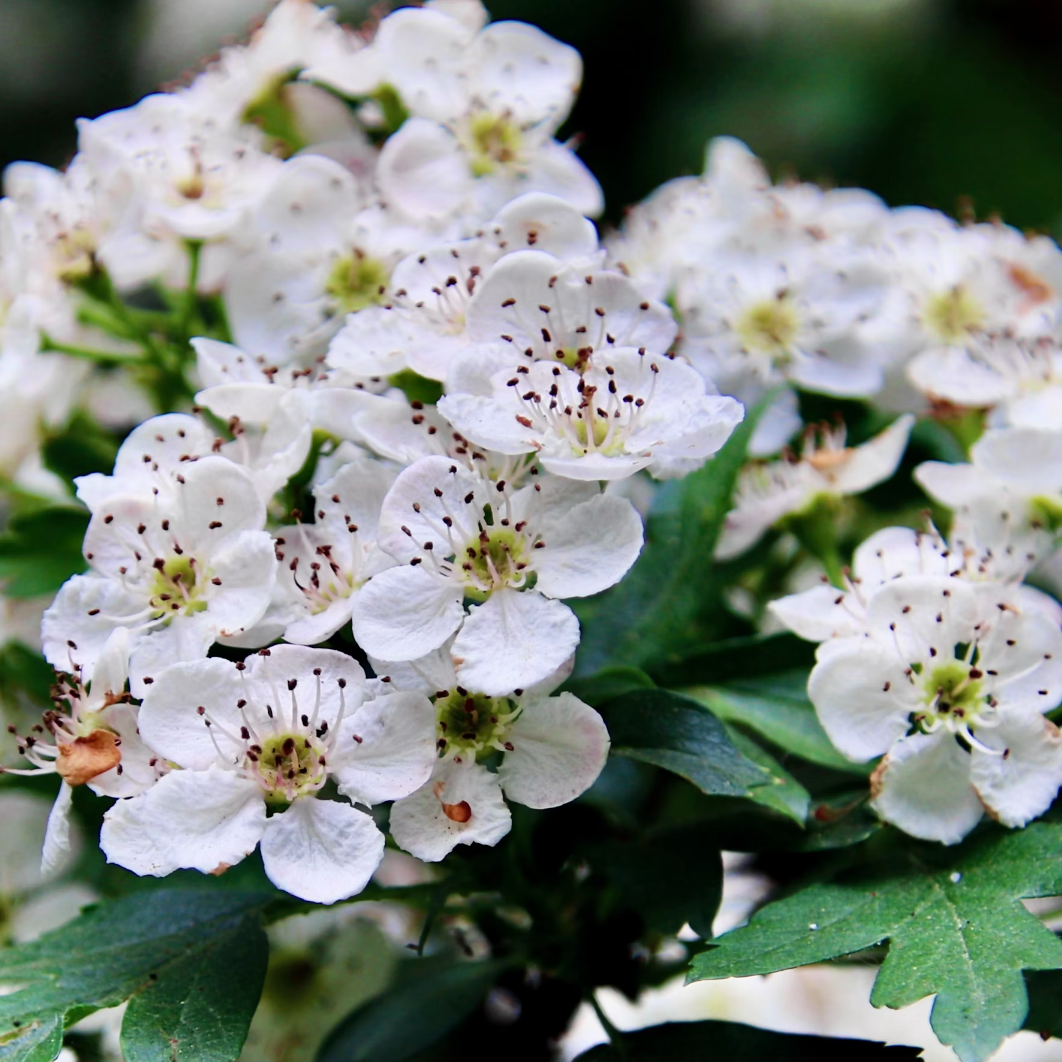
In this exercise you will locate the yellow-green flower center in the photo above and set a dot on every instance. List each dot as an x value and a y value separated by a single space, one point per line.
495 141
472 723
176 587
1046 511
288 766
953 694
496 558
953 314
769 327
357 281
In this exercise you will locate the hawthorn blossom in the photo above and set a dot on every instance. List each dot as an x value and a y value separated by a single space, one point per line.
552 747
951 686
767 493
484 106
323 565
626 412
422 326
95 741
268 734
179 569
1009 497
460 536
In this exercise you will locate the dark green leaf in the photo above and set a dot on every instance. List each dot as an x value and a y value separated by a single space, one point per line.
80 448
174 950
669 878
782 793
731 1042
1045 1002
417 388
652 616
41 550
676 733
777 707
953 921
39 1040
23 671
735 658
609 683
413 1015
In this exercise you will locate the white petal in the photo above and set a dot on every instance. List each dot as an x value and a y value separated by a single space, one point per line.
423 171
246 566
874 461
404 613
1022 784
951 485
187 638
923 786
1026 460
57 851
197 820
420 825
557 170
559 748
321 850
395 753
862 697
820 613
588 548
513 640
546 222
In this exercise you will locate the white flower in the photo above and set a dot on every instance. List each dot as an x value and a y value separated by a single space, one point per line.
423 326
461 536
1008 500
827 468
627 411
950 683
269 733
484 108
95 741
553 749
322 566
179 569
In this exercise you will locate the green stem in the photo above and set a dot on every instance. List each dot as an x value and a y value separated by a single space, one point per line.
614 1035
195 248
101 357
816 530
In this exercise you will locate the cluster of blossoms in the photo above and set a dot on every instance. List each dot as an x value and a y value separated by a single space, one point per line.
425 395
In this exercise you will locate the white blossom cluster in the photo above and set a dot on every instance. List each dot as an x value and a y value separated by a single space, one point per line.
433 351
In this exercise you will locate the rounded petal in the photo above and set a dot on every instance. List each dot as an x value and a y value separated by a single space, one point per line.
862 697
512 641
404 613
1021 779
588 548
559 748
195 820
245 565
186 638
1027 460
321 850
477 814
57 850
820 613
876 460
423 171
386 750
923 787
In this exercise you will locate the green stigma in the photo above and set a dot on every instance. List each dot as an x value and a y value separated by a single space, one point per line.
357 281
495 142
288 765
176 587
769 327
497 557
472 723
953 314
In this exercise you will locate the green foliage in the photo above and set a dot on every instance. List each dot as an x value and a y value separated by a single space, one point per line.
737 1043
413 1015
669 601
41 549
676 733
953 921
172 952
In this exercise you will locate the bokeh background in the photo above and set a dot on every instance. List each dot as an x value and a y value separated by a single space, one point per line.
955 104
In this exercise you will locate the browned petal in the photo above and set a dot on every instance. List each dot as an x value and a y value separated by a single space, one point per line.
458 812
84 758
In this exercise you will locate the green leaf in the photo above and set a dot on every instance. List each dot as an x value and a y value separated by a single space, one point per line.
669 878
40 550
417 388
413 1015
736 658
25 672
35 1041
953 921
607 684
676 733
1045 1002
732 1042
782 793
81 447
652 615
172 951
777 707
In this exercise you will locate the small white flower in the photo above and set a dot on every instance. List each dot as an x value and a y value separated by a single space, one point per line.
553 748
1008 500
268 734
461 536
627 411
179 569
951 683
827 468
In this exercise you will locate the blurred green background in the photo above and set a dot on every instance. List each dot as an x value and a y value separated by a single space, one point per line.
946 103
